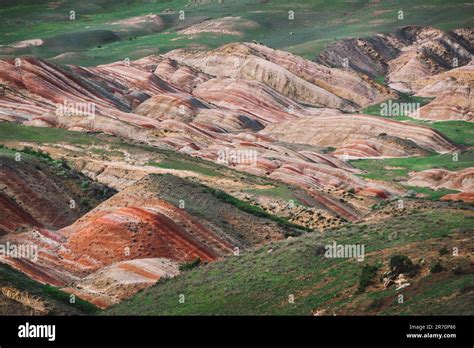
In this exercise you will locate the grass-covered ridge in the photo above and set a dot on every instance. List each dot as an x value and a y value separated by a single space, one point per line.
283 192
110 146
177 164
252 209
220 208
16 132
460 133
315 24
260 281
396 170
59 300
404 98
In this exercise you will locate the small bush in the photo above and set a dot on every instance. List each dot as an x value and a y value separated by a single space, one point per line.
85 185
85 204
190 265
257 211
436 267
162 280
61 296
402 264
329 149
443 251
366 276
320 250
40 153
458 270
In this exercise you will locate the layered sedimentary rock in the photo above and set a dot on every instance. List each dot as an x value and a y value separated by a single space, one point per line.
181 75
404 56
225 25
252 98
150 23
420 60
344 129
33 194
467 196
187 109
41 94
290 75
111 284
14 217
101 256
208 103
453 93
380 146
462 180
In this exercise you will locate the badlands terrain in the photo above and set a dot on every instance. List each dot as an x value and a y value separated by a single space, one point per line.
210 178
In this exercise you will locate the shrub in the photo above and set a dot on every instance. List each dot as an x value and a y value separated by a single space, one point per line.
256 211
366 276
61 296
162 280
40 153
436 267
85 204
190 265
458 270
84 185
329 149
443 251
320 250
402 264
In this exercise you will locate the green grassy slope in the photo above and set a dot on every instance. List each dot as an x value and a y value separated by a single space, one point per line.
113 146
58 301
166 159
83 190
316 23
219 208
261 281
459 132
396 170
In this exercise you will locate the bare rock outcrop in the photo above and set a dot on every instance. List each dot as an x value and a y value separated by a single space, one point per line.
453 93
409 54
334 130
462 180
290 75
